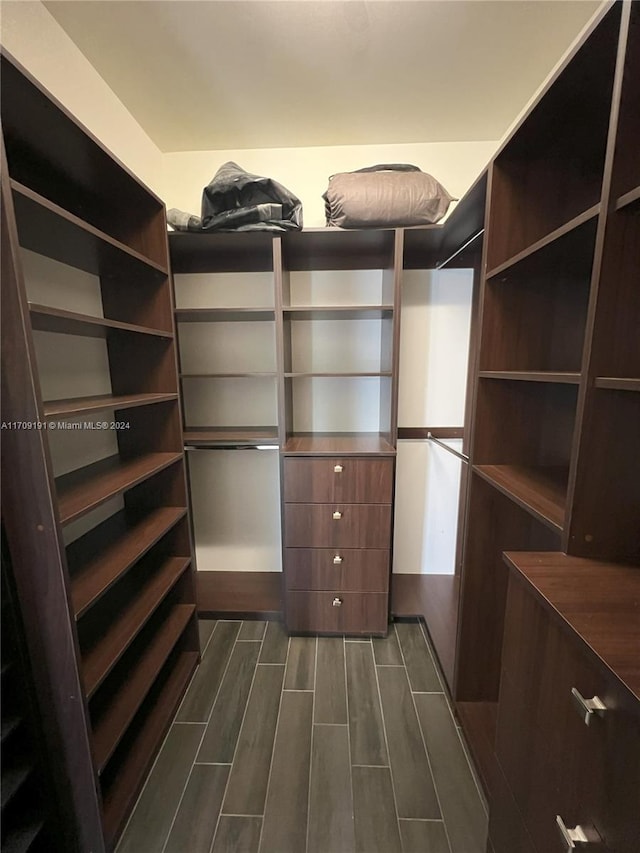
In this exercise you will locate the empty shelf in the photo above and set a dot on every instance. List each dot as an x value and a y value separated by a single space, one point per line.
355 444
338 312
532 376
47 319
81 405
224 315
618 383
541 491
212 436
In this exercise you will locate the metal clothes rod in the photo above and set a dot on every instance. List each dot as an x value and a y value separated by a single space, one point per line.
446 447
232 447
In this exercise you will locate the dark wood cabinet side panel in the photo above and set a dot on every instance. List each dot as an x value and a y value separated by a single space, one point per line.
360 526
365 570
358 481
353 613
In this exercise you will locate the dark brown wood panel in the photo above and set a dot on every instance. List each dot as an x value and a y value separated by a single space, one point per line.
478 720
336 444
541 491
359 525
47 319
354 570
338 480
239 593
337 613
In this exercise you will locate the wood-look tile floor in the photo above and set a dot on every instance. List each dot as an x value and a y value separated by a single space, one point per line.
308 745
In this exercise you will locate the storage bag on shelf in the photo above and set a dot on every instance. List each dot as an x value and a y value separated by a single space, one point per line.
396 194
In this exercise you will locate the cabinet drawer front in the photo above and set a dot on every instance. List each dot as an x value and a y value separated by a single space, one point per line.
555 764
318 568
359 526
358 481
357 612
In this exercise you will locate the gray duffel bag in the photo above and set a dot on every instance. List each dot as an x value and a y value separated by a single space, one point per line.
394 194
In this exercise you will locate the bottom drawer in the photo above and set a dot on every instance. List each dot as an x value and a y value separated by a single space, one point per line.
337 612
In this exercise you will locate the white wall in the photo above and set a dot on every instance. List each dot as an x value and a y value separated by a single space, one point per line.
33 37
434 346
305 171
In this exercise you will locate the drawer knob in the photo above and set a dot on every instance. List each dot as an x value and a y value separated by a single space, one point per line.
337 602
337 515
571 836
337 560
587 708
337 469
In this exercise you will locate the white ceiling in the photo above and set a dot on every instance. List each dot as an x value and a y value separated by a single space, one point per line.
229 74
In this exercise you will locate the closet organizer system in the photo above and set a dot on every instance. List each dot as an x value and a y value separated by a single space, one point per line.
547 636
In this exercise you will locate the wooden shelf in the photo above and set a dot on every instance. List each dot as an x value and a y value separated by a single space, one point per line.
564 230
83 490
103 656
213 436
116 717
597 599
338 249
48 229
101 557
47 319
540 491
239 251
343 375
120 796
617 383
338 312
240 595
336 444
80 405
223 315
628 199
532 376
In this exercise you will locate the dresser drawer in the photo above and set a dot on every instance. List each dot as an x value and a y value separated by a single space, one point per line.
336 480
554 763
337 612
337 525
337 569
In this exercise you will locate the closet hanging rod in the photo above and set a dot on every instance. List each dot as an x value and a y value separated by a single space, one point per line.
471 240
232 447
446 447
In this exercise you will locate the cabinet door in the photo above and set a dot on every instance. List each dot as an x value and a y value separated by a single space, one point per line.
589 775
348 480
348 569
337 525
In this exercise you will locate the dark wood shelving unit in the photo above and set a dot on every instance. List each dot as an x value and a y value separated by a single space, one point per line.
224 315
48 229
101 557
114 720
338 312
555 478
132 761
212 436
83 490
541 491
334 444
87 405
110 610
258 375
345 375
47 319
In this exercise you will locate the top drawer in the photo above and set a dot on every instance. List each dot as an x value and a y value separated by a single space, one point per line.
336 480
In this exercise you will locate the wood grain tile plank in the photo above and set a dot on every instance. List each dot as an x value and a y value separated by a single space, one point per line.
197 817
330 800
462 809
252 630
386 650
275 644
202 691
412 780
237 835
331 687
205 630
285 814
301 664
219 743
420 667
151 820
376 823
365 717
249 777
423 836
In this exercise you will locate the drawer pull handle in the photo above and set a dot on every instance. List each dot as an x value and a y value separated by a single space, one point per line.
337 515
337 560
337 469
570 836
337 602
587 708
